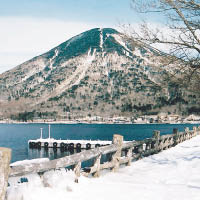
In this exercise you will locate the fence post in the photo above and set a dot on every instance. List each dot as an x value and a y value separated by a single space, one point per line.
194 131
176 140
187 130
77 171
5 157
198 130
156 136
117 140
129 156
97 166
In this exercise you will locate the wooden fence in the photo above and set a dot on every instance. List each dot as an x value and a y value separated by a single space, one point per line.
121 153
5 157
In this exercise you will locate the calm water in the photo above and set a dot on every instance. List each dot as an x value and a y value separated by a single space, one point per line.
16 136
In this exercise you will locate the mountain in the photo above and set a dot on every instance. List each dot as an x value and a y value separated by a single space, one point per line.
98 72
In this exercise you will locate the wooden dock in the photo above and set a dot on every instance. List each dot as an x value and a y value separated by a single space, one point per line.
65 145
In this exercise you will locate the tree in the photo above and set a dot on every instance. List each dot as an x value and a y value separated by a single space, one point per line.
183 34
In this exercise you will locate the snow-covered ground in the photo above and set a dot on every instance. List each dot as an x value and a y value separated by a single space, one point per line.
172 174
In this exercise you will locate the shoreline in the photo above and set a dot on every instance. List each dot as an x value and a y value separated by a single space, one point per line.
98 123
146 119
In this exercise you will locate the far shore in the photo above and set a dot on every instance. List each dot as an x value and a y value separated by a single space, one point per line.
94 122
162 118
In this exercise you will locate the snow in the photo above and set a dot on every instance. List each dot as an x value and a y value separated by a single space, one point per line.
172 174
101 39
52 59
118 38
90 57
33 70
85 63
25 162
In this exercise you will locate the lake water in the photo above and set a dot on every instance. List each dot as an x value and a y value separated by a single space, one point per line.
16 136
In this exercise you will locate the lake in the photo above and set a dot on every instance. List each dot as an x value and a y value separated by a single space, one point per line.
16 136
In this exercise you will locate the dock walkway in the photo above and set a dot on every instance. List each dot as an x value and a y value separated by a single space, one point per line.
65 144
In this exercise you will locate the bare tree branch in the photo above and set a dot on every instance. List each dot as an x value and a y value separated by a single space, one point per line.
181 35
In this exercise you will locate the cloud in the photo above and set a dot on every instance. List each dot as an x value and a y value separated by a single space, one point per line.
24 38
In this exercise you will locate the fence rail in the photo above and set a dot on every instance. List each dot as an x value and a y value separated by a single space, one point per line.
133 150
122 153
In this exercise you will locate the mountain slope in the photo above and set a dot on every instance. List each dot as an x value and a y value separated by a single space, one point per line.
99 72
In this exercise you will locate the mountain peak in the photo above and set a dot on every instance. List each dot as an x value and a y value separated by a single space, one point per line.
95 39
96 67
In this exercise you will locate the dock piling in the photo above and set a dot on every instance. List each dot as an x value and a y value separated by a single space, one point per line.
49 131
41 132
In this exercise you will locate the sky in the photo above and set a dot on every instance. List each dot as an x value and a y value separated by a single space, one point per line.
29 28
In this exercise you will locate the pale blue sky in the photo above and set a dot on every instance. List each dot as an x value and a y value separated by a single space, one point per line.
32 27
84 10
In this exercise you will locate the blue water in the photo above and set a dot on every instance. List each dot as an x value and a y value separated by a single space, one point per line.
16 136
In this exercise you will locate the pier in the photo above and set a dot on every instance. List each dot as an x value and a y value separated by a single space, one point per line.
65 145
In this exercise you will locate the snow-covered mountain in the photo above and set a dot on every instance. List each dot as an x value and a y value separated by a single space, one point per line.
99 72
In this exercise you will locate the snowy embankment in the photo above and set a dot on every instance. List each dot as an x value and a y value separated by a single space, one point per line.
172 174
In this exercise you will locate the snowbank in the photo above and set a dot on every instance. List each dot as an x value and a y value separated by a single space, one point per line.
172 174
24 162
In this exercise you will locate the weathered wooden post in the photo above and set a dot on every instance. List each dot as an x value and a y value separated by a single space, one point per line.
5 157
129 156
176 140
187 130
198 130
171 142
97 166
117 140
156 136
77 171
165 143
194 131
